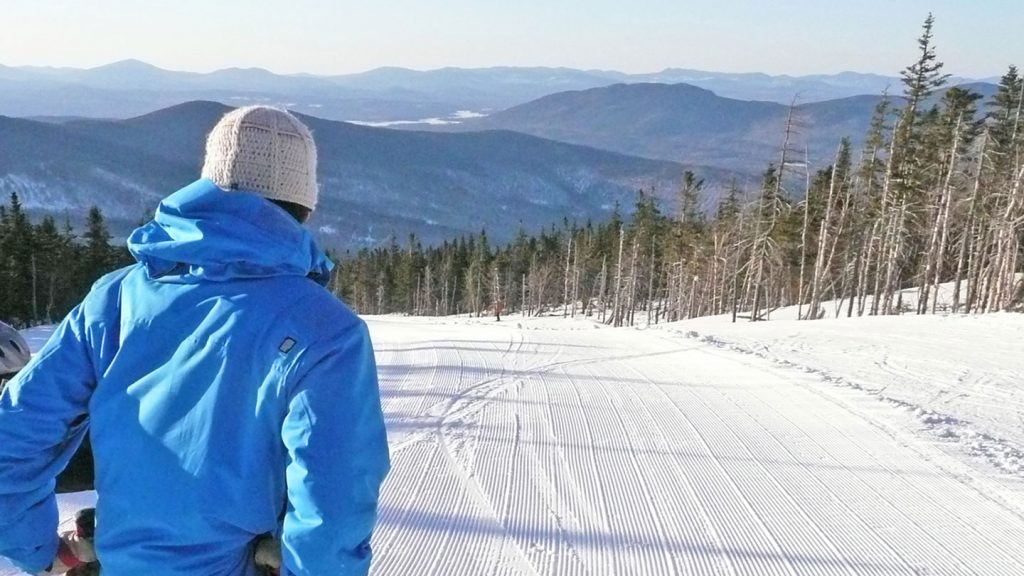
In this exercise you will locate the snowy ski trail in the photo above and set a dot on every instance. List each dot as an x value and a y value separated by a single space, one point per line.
550 447
547 449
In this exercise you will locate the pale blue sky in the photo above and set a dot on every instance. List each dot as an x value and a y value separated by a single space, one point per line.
974 37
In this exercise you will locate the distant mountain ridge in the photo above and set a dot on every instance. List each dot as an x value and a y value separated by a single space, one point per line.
374 182
681 122
131 87
572 153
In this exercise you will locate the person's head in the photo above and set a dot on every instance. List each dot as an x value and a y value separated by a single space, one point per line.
14 352
268 151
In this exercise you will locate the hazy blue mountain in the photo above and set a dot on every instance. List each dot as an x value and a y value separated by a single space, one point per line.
138 75
523 84
782 89
130 87
374 182
478 88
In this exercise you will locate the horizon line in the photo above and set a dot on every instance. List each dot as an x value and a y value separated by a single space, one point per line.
463 68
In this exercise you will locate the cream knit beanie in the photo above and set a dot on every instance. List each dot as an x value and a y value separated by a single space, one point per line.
264 150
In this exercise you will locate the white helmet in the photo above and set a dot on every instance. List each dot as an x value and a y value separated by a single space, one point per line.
14 352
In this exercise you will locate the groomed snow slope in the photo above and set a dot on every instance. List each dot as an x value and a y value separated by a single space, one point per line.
553 447
961 376
548 451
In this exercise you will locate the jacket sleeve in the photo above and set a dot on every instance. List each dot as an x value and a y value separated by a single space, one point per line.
338 457
42 422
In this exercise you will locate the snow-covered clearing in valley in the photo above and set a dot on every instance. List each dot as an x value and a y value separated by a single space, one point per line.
546 446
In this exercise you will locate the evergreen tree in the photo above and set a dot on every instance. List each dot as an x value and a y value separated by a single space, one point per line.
1004 115
17 254
97 256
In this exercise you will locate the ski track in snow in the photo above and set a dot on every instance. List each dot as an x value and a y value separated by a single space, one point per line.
539 448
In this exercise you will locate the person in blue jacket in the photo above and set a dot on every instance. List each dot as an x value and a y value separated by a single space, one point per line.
227 394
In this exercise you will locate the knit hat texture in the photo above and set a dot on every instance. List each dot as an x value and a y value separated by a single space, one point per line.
264 150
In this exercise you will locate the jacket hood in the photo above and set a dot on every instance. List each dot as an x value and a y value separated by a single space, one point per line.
203 233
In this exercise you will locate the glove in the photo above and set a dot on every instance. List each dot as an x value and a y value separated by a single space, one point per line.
268 555
72 551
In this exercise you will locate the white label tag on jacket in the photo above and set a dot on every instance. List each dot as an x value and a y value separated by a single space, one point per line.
286 345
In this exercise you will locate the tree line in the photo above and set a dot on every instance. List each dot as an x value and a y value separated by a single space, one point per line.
46 268
934 196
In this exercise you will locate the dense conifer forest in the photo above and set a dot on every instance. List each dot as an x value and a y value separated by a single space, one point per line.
46 267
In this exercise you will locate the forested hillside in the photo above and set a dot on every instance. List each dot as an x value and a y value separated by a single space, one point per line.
374 182
935 194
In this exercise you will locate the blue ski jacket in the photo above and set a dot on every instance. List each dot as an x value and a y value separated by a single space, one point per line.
227 395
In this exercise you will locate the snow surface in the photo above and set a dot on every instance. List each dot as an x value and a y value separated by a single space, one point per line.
961 376
551 446
596 451
456 117
37 337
